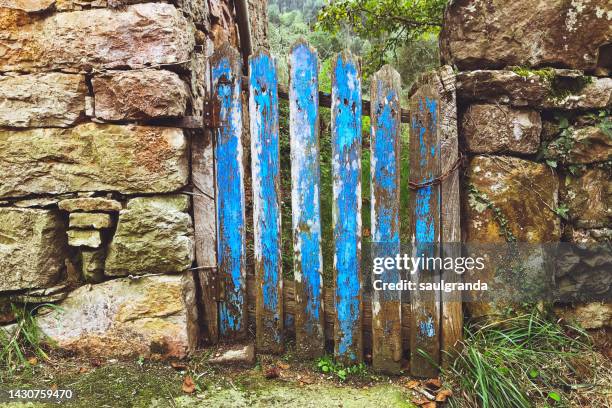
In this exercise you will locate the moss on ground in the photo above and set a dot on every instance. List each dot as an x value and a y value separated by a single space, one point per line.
134 384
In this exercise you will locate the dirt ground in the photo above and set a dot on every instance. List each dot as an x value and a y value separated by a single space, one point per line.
138 383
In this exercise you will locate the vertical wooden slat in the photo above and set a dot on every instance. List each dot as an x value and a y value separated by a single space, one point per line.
425 228
204 215
346 170
265 170
385 170
452 314
305 180
226 76
205 230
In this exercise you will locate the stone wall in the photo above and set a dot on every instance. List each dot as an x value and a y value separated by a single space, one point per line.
534 96
96 191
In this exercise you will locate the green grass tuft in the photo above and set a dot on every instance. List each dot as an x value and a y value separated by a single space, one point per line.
21 341
522 361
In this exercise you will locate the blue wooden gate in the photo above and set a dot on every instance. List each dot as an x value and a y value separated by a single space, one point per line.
380 323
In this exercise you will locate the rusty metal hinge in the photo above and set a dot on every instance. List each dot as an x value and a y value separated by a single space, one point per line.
216 285
212 113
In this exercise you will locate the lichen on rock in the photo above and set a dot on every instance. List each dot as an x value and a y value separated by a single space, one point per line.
154 235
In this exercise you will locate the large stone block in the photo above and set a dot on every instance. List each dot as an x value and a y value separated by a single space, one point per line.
588 316
550 89
32 248
29 6
588 197
500 33
524 192
89 204
153 317
154 235
501 129
42 100
92 157
141 94
508 199
135 36
581 146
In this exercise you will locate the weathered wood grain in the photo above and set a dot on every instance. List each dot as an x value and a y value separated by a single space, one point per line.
346 213
452 314
289 307
202 159
306 211
204 216
226 73
265 171
425 228
385 172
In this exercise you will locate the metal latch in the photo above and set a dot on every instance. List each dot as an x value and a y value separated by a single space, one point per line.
212 110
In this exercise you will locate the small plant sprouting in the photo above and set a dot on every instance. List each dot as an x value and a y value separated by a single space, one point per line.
562 211
327 365
480 201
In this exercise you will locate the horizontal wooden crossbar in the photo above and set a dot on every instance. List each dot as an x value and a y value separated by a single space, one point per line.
325 100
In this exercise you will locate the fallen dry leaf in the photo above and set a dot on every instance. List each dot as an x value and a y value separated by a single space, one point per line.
283 366
32 361
412 384
272 372
421 401
433 383
177 365
443 395
188 385
83 370
430 404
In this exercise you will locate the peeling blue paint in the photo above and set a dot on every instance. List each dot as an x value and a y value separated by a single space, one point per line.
427 328
346 167
230 197
385 179
304 100
263 109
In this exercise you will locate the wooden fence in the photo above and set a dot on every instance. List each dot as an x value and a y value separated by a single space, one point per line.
380 322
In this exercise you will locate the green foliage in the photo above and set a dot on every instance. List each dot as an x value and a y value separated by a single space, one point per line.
327 365
545 74
562 211
604 121
22 340
388 24
521 361
561 147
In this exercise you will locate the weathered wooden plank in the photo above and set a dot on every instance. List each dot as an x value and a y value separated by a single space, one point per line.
425 228
306 212
265 171
226 73
204 216
346 213
385 172
452 314
202 174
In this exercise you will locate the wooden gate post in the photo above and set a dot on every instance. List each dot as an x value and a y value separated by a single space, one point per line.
436 322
